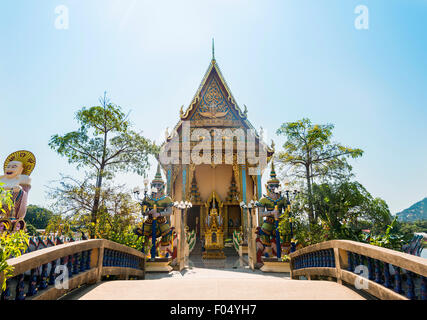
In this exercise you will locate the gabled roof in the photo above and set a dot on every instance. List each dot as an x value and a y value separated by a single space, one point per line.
203 107
211 75
213 67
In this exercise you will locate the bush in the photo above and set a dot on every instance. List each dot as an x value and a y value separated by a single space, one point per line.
11 245
38 217
32 231
390 239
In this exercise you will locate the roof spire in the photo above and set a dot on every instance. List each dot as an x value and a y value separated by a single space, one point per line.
273 177
272 172
158 176
213 49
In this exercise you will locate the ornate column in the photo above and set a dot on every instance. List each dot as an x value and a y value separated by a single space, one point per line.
245 216
169 180
181 245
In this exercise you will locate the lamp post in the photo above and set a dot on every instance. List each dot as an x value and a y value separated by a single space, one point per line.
290 198
144 211
249 206
183 206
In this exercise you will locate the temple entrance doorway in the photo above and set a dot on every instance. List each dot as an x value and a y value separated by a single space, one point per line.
193 220
234 219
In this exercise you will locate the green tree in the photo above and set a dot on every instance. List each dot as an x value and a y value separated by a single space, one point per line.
310 154
37 216
344 209
344 206
390 239
407 228
73 200
61 225
104 144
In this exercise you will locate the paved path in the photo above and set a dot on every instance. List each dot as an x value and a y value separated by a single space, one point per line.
211 284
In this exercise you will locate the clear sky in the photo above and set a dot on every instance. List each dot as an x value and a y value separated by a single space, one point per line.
284 59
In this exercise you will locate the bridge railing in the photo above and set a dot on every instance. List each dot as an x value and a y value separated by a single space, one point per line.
383 273
56 270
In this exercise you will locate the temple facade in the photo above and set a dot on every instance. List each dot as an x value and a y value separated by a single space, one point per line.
214 158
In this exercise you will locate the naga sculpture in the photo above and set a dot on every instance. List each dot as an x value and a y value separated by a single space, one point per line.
16 179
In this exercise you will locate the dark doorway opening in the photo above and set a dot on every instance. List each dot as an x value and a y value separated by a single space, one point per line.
193 220
234 221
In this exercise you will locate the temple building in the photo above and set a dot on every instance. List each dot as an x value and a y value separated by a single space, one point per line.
220 182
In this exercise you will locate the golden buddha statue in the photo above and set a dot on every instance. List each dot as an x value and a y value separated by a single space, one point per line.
214 236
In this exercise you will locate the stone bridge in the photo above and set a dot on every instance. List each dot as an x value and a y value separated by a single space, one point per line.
331 270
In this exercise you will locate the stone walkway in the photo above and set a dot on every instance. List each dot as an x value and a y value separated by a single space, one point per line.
212 279
211 284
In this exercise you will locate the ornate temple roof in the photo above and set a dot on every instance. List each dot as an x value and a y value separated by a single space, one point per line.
214 68
214 100
214 106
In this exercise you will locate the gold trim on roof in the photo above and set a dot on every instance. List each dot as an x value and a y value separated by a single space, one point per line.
197 97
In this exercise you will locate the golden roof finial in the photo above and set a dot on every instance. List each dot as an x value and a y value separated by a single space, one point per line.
181 111
245 112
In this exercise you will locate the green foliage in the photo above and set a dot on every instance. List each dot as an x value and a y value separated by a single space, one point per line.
104 141
126 237
310 154
104 145
31 230
389 239
285 227
61 225
11 245
118 228
336 207
306 234
341 205
343 209
407 229
37 216
311 144
5 199
286 258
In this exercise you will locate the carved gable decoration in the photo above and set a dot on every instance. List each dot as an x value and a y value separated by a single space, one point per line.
214 104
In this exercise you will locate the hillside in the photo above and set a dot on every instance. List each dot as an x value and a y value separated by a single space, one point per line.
417 211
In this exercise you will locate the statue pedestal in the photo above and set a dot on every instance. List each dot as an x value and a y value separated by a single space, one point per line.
213 254
243 249
273 265
159 265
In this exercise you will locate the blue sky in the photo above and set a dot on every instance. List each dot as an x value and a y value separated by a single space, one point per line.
284 59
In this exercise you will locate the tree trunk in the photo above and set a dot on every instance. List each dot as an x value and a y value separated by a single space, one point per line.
310 195
95 208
